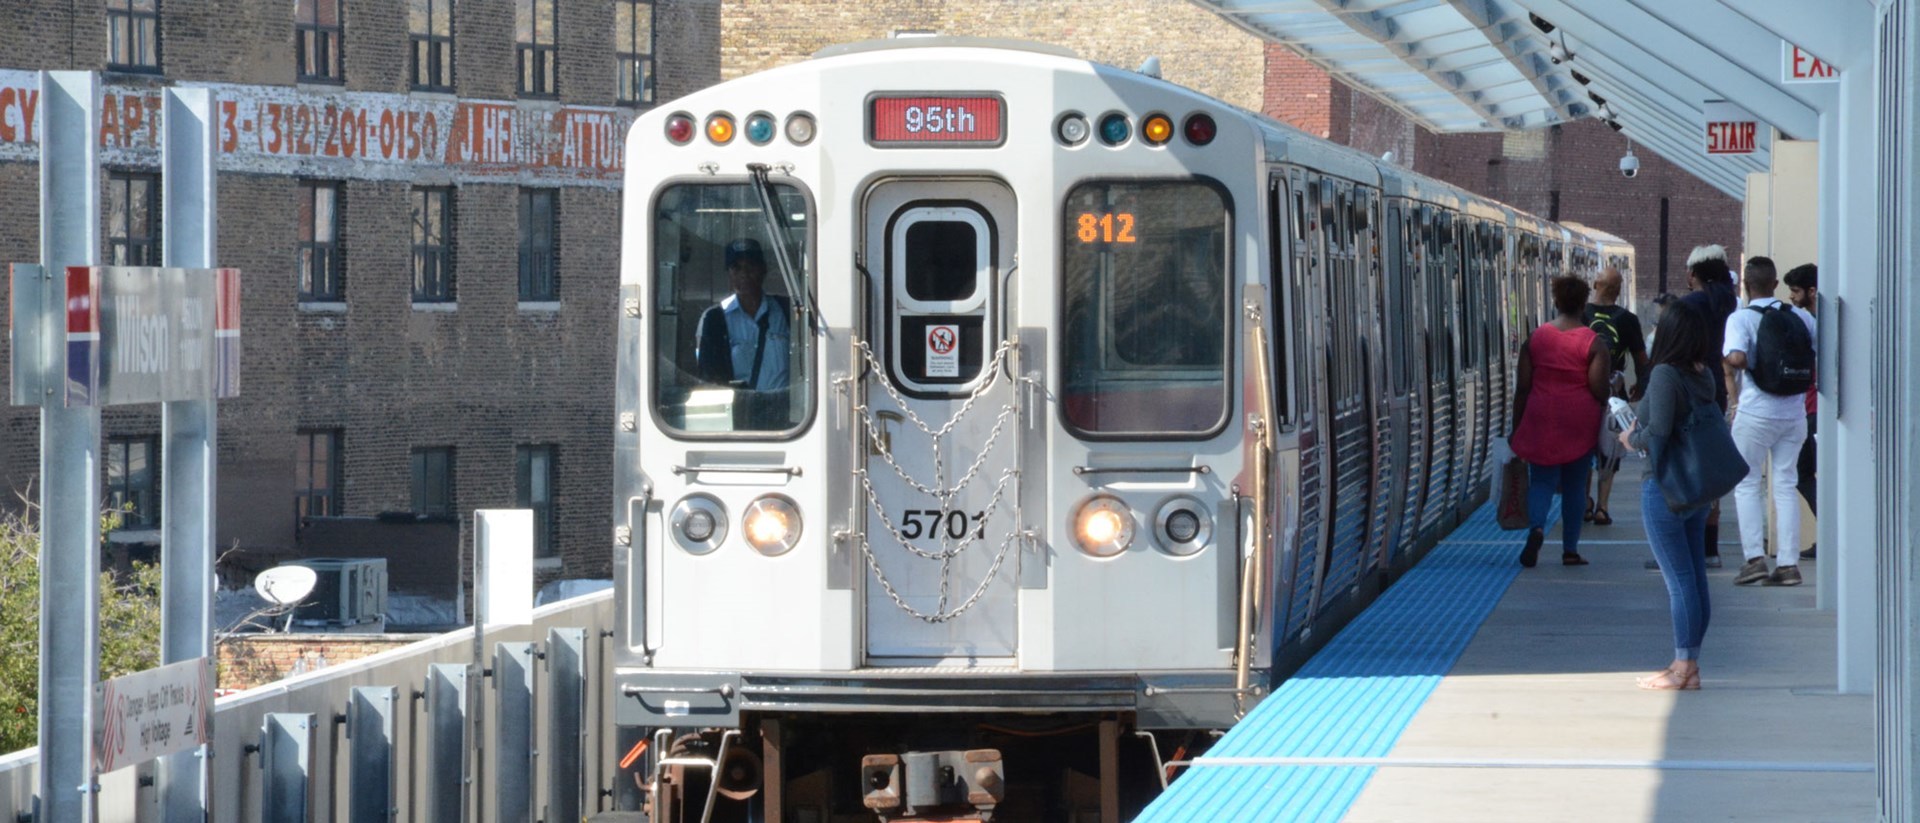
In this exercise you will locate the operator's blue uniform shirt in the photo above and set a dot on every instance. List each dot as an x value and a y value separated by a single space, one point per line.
743 333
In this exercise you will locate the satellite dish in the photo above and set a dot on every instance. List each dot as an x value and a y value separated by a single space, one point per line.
285 585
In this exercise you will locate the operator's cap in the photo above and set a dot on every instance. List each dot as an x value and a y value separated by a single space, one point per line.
745 250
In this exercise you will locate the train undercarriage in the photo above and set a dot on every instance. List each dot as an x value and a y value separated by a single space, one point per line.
900 768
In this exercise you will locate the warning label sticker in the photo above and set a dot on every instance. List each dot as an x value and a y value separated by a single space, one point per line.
943 351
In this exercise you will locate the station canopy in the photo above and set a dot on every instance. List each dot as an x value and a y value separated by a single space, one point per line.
1649 68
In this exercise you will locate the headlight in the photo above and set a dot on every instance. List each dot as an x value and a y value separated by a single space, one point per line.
1182 526
698 523
772 525
1102 526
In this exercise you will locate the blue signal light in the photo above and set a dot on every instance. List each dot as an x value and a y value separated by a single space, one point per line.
1114 129
760 129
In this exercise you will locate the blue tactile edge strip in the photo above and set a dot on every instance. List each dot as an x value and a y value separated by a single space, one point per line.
1358 694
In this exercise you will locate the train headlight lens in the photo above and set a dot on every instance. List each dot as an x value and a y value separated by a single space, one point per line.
772 525
720 129
680 129
698 523
1182 526
1114 129
1200 129
1102 526
1156 130
760 129
800 128
1072 130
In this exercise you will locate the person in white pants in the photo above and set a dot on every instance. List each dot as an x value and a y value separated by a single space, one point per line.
1768 429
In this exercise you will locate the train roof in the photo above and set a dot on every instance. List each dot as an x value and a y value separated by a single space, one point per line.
1283 143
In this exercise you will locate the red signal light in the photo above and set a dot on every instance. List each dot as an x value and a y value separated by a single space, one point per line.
680 129
1200 129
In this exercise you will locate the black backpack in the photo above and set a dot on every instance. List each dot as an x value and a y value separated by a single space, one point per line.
1782 358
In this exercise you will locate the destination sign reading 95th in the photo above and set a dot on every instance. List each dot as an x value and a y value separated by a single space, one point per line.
974 121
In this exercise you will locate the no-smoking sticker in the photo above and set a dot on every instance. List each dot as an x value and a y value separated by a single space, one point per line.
943 351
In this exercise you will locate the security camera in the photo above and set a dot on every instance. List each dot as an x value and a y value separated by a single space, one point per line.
1629 165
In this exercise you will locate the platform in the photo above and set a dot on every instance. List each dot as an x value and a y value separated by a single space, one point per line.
1479 691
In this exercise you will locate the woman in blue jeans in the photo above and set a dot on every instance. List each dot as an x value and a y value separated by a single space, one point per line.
1679 380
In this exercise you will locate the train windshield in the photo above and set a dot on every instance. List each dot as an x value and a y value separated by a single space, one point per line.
731 353
1144 295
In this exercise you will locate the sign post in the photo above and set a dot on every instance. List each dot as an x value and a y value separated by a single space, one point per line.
84 337
69 451
189 432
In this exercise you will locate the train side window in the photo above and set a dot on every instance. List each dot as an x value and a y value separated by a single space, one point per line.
720 367
1145 318
1278 250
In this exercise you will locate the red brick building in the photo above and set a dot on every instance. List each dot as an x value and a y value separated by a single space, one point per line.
423 198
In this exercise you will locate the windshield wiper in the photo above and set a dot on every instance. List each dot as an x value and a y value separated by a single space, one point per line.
778 229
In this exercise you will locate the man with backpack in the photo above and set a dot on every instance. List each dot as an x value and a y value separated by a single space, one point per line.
1769 349
1625 341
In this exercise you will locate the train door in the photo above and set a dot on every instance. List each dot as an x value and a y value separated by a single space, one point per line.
938 480
1307 316
1441 385
1467 375
1401 327
1377 349
1351 432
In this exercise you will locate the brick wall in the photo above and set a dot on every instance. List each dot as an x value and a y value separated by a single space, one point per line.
249 660
1196 48
1576 164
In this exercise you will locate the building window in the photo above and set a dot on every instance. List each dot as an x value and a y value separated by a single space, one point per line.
316 474
319 252
633 51
430 35
533 489
133 219
538 281
432 245
133 480
433 481
133 35
534 48
316 40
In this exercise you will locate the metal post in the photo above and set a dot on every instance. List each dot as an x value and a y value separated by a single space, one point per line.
512 782
566 724
370 723
69 458
447 721
188 431
286 763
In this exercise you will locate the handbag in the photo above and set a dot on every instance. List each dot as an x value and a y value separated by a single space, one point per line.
1698 463
1510 489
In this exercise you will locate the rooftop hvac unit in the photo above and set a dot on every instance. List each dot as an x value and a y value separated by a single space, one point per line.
351 591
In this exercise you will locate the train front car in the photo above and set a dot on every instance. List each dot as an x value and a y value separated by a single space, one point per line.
934 475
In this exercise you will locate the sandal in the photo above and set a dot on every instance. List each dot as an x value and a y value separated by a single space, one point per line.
1572 559
1668 680
1601 518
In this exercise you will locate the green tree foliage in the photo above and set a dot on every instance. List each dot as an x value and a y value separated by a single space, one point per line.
129 627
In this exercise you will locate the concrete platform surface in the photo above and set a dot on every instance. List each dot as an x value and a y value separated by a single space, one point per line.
1540 719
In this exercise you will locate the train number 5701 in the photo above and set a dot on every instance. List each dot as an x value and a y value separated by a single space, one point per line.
933 523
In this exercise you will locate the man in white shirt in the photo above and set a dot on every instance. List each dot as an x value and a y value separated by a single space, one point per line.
1768 429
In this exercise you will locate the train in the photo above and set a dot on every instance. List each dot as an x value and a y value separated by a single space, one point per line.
994 427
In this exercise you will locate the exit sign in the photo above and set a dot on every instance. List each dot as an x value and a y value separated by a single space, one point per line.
1797 65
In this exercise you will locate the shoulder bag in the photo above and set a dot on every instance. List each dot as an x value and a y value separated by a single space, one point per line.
1698 463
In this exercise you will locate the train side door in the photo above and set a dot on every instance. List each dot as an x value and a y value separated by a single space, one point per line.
938 479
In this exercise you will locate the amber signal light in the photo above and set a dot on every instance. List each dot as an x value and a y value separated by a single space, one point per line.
720 129
1156 129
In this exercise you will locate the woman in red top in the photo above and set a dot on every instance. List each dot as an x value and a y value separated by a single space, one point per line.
1560 396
